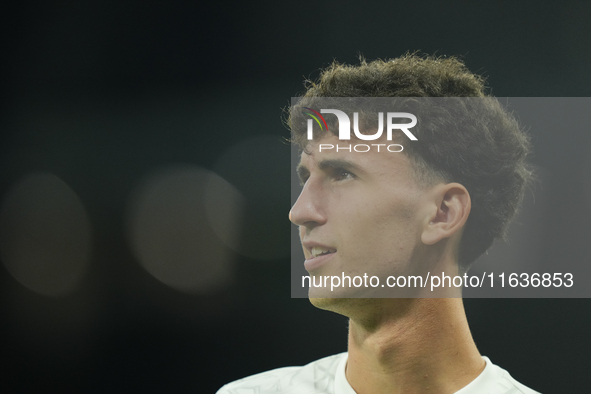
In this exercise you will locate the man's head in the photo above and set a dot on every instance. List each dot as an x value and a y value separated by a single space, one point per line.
367 216
472 142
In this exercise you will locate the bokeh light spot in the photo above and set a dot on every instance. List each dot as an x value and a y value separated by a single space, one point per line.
44 235
171 235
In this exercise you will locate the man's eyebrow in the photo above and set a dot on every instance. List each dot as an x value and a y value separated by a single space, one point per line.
329 164
338 163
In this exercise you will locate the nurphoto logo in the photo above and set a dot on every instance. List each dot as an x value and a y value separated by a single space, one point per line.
345 129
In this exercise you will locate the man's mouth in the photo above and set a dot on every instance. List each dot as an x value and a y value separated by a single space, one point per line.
318 251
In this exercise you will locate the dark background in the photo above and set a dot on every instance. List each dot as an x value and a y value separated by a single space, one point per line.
105 93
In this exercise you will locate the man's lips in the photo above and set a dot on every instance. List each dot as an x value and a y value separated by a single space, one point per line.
317 254
314 263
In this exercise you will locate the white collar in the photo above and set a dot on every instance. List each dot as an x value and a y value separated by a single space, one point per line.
487 378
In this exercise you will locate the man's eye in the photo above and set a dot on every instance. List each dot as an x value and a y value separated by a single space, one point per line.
343 174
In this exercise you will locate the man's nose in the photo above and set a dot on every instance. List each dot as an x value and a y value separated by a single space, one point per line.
307 210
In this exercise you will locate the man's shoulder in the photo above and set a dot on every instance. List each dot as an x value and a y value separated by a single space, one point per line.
508 383
316 377
321 376
495 380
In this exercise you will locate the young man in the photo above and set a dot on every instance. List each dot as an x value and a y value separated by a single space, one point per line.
436 206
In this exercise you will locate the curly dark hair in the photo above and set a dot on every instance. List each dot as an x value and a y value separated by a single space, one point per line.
474 142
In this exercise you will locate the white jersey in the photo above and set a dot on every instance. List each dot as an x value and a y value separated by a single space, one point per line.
327 376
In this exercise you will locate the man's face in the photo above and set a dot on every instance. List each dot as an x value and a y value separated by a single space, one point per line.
358 213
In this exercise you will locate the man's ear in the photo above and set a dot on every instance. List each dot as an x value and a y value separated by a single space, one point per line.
453 207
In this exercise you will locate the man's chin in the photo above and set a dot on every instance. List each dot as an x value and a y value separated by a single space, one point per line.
332 304
337 301
336 294
353 308
325 303
325 293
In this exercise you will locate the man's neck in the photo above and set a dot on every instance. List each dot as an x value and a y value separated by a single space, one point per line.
412 346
